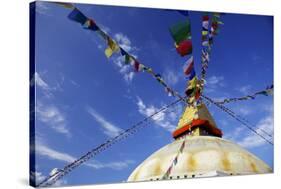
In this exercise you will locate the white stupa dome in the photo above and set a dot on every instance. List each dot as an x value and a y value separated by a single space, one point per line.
202 156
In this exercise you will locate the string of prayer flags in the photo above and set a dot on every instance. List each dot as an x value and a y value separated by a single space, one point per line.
180 31
268 91
207 41
205 30
174 162
112 46
77 16
205 56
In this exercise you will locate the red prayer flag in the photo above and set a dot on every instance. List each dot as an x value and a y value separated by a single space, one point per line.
189 68
205 18
136 65
184 47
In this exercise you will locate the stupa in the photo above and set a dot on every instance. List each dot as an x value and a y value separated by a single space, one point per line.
205 153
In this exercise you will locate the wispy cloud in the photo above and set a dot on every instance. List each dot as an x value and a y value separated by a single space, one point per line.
38 177
252 140
52 116
165 120
243 110
42 84
47 90
245 89
108 128
213 83
45 151
124 42
171 77
42 8
215 80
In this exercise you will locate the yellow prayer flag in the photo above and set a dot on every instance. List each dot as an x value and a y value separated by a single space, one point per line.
204 32
108 52
192 83
113 45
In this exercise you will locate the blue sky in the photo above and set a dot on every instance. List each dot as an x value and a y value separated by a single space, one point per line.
83 98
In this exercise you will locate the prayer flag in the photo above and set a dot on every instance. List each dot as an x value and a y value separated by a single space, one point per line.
190 66
127 59
204 38
204 32
182 146
90 24
77 16
175 160
123 52
205 43
181 31
205 25
136 65
112 47
192 74
205 18
184 47
169 91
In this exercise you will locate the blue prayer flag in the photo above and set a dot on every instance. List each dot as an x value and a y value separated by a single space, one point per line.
192 74
77 16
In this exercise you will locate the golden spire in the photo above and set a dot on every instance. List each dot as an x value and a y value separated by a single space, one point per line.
196 121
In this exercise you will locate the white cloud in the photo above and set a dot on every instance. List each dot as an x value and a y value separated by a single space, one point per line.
215 80
124 42
253 140
45 87
126 70
52 116
40 82
45 151
42 8
171 77
39 177
163 119
245 89
244 110
108 128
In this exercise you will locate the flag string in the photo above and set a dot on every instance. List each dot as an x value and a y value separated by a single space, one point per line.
208 34
88 23
175 160
238 118
268 91
50 180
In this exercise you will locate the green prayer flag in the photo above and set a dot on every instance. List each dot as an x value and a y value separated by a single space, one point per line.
180 31
127 59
